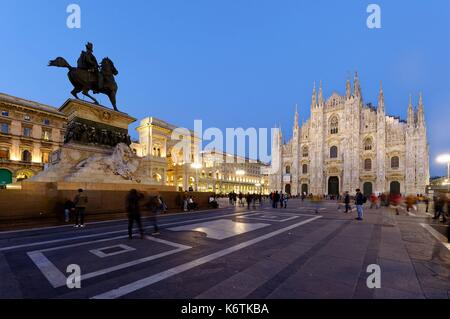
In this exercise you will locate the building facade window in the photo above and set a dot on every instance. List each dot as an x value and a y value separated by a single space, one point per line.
288 169
27 131
26 156
45 157
368 144
305 169
46 122
4 153
333 152
395 162
46 135
4 127
27 118
334 125
368 164
305 151
5 113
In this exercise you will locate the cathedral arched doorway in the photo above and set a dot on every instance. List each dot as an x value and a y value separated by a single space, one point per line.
333 185
287 189
367 189
395 188
305 189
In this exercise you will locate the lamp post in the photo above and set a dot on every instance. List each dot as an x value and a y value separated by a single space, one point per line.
196 166
445 159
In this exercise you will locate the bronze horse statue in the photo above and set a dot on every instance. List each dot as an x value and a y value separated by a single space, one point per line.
86 80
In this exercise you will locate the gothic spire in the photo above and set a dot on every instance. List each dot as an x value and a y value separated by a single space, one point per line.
320 94
381 99
314 97
420 112
410 119
356 86
348 89
296 117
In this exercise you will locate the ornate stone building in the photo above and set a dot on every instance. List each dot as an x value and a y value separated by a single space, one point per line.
212 173
347 144
29 133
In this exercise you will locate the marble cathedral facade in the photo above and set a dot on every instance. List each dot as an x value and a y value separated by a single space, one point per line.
347 145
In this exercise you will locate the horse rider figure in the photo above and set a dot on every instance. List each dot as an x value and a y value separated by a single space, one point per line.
88 62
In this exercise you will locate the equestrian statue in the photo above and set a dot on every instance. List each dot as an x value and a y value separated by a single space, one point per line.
90 76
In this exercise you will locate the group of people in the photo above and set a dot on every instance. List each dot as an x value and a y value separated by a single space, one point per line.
279 198
235 199
134 203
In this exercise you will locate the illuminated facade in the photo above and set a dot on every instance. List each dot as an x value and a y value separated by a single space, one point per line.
29 133
347 144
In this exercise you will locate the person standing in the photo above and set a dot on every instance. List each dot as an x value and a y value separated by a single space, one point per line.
134 212
285 200
80 202
68 208
154 205
359 201
347 202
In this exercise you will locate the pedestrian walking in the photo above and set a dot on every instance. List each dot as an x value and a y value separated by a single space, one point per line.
154 205
132 204
285 200
80 202
347 202
359 201
69 207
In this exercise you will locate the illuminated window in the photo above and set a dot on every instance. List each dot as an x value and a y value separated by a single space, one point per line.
46 135
4 153
45 157
27 118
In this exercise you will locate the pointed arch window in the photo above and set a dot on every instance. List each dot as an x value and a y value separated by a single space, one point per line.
333 152
305 151
395 162
305 169
288 169
368 164
334 125
368 144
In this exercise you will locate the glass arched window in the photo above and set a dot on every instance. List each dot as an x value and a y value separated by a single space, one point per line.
368 144
368 164
288 169
334 125
305 151
333 152
26 156
395 162
305 169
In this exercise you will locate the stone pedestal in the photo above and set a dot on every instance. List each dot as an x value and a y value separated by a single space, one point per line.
96 149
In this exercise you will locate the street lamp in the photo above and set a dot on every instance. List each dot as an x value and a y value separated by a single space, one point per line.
196 166
445 159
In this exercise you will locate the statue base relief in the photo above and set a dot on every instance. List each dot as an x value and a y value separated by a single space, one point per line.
96 149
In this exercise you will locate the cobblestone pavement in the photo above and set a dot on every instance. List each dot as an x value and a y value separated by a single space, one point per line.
234 253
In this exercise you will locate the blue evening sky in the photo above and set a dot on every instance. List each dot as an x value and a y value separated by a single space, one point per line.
236 63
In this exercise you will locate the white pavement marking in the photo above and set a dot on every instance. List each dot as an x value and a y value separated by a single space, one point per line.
221 228
272 217
103 222
57 278
441 238
145 282
118 231
100 252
